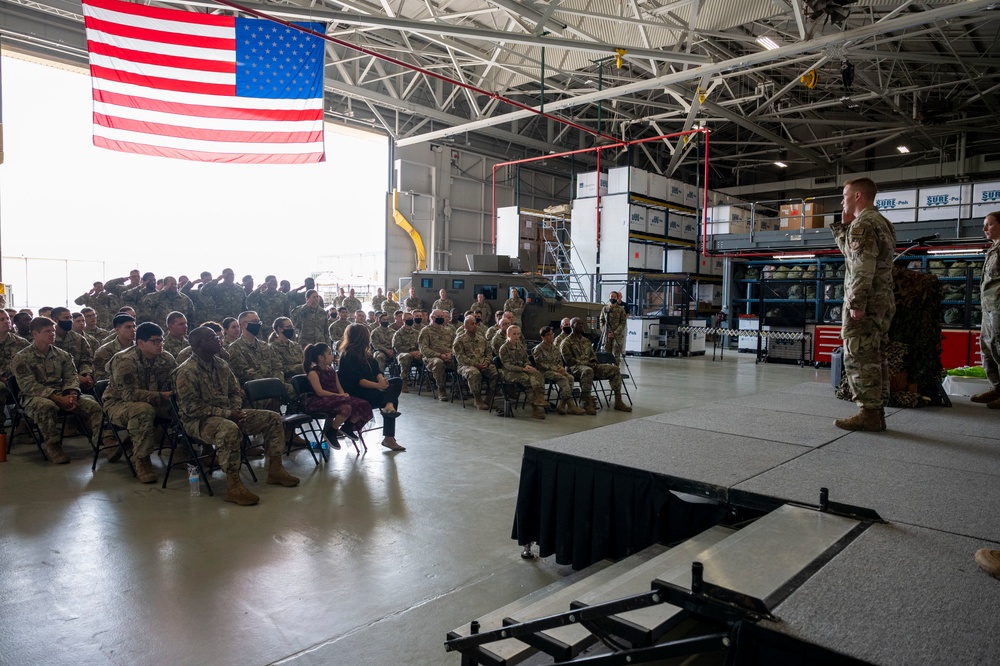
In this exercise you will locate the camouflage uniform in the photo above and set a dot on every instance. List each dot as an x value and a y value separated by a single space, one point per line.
207 393
557 343
174 345
269 306
404 341
228 300
514 356
447 305
352 304
498 340
310 323
105 305
79 349
135 298
390 307
989 290
613 323
382 344
412 303
38 377
13 344
470 351
103 355
161 303
578 355
133 398
116 287
483 309
377 302
252 360
203 307
287 361
338 301
516 307
434 341
95 336
868 244
337 329
549 362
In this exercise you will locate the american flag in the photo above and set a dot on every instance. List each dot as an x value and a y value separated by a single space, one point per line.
204 87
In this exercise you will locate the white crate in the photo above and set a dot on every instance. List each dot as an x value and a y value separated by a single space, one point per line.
689 227
987 193
682 261
628 179
656 222
637 218
636 256
718 266
654 258
675 191
586 184
901 215
675 225
728 213
657 186
692 196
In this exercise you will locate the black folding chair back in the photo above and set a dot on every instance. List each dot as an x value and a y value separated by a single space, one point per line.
272 388
609 358
34 430
99 389
302 388
509 392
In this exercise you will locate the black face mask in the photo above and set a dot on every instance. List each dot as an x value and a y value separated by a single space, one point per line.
65 325
567 329
418 321
288 333
407 322
253 328
479 320
384 324
437 320
614 301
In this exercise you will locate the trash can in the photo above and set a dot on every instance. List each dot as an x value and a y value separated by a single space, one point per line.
836 366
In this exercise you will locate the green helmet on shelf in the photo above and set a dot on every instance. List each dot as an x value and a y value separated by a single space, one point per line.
957 269
953 316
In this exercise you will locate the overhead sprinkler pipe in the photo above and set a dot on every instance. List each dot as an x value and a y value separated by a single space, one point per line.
415 68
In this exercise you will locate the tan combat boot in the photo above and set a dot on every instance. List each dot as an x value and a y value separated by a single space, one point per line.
590 406
866 420
111 448
481 404
986 396
278 475
563 407
538 398
537 412
56 454
574 408
236 492
620 406
406 383
144 470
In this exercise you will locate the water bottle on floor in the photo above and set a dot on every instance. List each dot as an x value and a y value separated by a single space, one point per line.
194 481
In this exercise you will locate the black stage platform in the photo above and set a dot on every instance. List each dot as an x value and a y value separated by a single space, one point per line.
906 591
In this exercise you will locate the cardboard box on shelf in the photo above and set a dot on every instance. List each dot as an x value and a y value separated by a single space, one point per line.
657 187
675 191
654 257
682 261
637 216
656 222
636 256
689 227
809 215
529 228
628 179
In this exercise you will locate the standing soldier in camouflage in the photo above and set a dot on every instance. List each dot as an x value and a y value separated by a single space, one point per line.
516 369
613 322
412 303
139 393
124 338
482 307
338 300
269 303
135 297
176 338
475 363
443 302
404 343
378 299
228 298
311 321
287 355
70 341
118 286
578 355
161 303
204 309
351 303
10 344
104 303
435 343
49 383
210 404
515 305
989 290
382 342
390 306
867 241
549 361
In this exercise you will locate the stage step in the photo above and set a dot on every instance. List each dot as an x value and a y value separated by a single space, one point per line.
567 642
760 560
512 651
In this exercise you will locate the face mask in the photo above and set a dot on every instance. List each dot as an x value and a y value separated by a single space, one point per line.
384 324
479 319
288 333
613 301
567 329
253 328
407 322
418 321
437 320
65 325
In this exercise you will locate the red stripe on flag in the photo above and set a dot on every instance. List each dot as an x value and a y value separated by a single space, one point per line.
147 58
203 156
162 14
161 83
160 36
203 111
201 134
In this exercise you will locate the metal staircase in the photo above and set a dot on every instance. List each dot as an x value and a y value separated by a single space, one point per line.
558 266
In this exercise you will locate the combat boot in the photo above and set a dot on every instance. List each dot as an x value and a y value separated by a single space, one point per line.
986 396
538 398
994 404
563 407
144 470
236 492
443 395
590 406
111 449
537 412
866 420
620 406
278 475
481 404
574 408
56 454
406 383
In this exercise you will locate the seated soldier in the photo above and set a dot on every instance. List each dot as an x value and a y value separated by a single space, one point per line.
185 353
372 321
10 344
565 329
338 326
382 343
49 383
474 361
210 403
420 319
20 322
397 320
353 304
76 345
581 360
124 331
360 318
79 324
139 393
435 343
500 337
404 343
287 355
549 361
517 370
176 338
495 326
94 333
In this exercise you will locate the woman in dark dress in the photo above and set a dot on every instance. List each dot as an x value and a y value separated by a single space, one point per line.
347 415
360 377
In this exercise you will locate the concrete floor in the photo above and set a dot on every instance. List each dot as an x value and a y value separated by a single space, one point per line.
372 559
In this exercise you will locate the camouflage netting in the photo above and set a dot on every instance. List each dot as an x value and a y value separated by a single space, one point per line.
914 352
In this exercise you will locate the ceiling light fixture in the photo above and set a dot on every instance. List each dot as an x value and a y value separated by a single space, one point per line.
961 251
781 164
768 43
849 103
903 149
783 257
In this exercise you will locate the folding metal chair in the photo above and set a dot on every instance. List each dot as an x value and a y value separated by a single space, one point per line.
608 357
300 384
271 388
99 389
34 430
510 393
